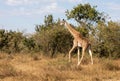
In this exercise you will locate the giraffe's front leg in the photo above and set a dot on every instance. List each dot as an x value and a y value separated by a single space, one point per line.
71 52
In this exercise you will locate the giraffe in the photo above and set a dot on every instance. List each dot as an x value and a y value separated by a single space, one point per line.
79 41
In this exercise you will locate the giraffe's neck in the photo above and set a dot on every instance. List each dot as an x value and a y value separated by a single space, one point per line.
72 30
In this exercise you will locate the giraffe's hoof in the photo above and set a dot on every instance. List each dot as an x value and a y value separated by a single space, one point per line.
70 61
78 64
79 67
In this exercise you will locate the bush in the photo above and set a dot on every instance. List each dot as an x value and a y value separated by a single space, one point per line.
107 41
54 40
11 41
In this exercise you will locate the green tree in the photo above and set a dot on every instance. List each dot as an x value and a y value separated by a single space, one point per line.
85 14
108 40
14 41
48 22
11 41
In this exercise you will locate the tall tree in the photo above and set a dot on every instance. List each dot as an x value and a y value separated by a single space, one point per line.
48 22
85 14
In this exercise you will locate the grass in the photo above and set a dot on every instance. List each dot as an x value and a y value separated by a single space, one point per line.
26 67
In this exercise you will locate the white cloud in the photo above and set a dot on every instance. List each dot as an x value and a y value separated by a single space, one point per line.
33 2
18 2
40 10
53 8
26 2
14 2
33 7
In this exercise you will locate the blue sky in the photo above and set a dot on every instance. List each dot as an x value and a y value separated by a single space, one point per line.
23 15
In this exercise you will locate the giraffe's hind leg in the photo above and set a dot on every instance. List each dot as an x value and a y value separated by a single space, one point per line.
90 52
83 52
71 52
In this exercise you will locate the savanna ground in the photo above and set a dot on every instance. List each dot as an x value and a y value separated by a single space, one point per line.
34 67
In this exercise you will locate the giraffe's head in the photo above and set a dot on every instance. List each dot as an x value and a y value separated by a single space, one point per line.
62 22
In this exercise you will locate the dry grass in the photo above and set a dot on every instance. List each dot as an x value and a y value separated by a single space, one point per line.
26 67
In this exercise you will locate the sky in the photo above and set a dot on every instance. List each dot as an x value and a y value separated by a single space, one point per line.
23 15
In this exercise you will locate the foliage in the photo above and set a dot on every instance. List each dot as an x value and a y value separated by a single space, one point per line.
85 14
10 41
48 20
108 39
3 38
29 43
